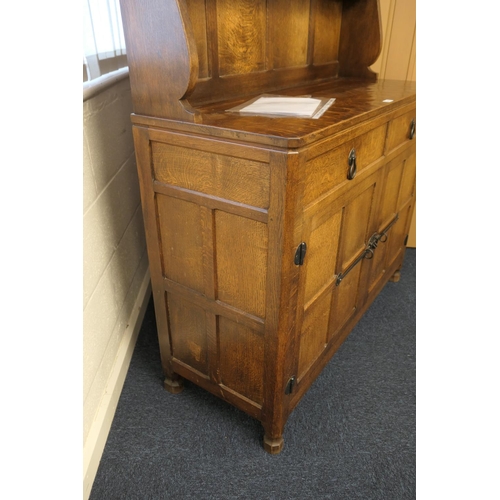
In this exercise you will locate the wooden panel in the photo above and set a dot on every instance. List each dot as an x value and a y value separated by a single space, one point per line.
290 33
180 228
327 31
355 225
377 265
322 248
344 301
398 130
241 357
398 191
354 236
198 17
314 332
241 257
241 36
237 179
330 169
387 211
188 332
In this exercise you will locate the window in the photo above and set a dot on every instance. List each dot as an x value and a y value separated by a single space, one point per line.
103 40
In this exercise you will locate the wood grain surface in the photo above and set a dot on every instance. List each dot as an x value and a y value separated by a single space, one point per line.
228 199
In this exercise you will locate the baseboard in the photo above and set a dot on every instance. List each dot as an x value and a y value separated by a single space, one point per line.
98 434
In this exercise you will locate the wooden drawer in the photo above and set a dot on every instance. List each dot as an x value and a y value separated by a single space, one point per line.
399 130
330 169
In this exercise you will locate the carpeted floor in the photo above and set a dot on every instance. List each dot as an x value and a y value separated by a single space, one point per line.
351 437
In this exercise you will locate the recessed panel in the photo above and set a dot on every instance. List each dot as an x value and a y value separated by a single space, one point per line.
241 262
313 337
370 146
344 300
399 130
241 359
290 32
241 36
377 264
327 31
355 226
224 176
322 255
188 332
181 241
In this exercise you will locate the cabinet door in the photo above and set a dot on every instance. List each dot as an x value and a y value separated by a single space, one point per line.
336 230
393 217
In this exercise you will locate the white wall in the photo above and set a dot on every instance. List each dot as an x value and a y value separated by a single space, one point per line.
116 285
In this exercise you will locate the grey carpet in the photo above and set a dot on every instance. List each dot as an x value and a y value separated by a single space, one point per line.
351 437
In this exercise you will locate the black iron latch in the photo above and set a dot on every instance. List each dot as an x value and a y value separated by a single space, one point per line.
300 254
367 253
289 385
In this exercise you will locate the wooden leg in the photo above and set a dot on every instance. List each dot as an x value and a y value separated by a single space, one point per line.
396 276
173 384
273 446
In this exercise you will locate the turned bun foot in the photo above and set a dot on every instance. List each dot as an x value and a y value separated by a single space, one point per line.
395 277
173 386
273 446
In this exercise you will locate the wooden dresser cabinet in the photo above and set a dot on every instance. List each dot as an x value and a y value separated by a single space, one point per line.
267 237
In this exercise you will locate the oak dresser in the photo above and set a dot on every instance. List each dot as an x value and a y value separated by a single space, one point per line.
267 237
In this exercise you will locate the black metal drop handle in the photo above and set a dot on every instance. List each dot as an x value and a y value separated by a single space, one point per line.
351 173
412 129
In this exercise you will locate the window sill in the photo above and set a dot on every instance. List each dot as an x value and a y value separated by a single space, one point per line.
96 86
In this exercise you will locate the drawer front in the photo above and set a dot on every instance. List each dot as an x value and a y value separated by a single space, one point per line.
329 170
400 130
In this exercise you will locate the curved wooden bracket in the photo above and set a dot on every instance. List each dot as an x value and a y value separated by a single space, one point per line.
360 39
162 57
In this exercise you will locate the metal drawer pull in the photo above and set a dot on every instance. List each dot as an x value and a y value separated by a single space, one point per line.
351 173
412 129
368 252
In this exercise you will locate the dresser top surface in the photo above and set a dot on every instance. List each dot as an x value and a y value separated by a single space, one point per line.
356 100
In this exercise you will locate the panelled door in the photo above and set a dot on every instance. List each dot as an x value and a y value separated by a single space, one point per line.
336 230
394 218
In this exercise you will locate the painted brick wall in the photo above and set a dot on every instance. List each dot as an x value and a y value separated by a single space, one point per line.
114 248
